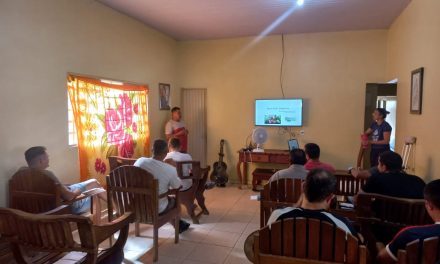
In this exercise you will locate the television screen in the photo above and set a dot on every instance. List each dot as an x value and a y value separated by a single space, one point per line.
278 112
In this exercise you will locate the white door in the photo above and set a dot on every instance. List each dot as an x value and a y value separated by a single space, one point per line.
194 116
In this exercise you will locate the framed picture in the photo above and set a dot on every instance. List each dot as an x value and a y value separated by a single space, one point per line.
164 96
416 91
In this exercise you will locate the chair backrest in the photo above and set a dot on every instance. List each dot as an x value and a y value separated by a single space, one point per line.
47 233
392 211
425 251
278 194
133 189
302 240
204 177
347 185
32 191
116 161
194 170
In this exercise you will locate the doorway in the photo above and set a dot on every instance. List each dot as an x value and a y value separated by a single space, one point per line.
194 115
380 95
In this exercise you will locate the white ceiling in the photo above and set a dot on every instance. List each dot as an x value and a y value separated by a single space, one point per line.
213 19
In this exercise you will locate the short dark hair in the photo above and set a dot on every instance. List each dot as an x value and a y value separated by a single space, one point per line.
33 153
160 147
319 184
391 160
175 109
175 143
432 193
312 150
383 112
298 156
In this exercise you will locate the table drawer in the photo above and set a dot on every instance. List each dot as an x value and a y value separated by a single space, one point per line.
260 158
280 159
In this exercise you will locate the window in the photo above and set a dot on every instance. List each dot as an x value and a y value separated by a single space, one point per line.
73 138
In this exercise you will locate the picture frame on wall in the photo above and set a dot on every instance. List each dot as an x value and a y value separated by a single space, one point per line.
416 91
164 96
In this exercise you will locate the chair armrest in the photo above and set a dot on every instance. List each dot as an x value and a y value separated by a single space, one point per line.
60 210
104 231
170 192
86 194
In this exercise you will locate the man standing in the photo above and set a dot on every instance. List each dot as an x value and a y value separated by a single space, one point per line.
175 128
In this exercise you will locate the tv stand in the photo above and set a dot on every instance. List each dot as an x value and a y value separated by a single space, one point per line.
274 156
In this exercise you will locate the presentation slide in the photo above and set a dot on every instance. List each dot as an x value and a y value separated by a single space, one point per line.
280 112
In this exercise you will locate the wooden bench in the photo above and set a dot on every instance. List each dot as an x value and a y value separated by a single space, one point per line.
388 213
51 237
278 194
259 175
300 240
420 252
347 185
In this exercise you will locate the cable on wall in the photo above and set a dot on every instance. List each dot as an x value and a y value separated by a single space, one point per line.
282 64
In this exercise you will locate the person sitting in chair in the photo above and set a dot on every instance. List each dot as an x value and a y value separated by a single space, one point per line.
174 155
318 193
165 174
37 158
296 169
312 153
409 234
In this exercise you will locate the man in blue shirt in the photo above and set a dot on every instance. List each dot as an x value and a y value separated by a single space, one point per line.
409 234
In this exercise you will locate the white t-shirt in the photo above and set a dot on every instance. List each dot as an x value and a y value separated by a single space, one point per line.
172 125
164 173
178 156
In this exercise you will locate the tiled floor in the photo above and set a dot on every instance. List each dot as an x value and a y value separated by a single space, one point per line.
219 237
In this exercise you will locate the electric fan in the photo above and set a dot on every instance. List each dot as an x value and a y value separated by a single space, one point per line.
259 136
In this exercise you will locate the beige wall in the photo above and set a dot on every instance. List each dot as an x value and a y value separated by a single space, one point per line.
40 41
413 42
328 70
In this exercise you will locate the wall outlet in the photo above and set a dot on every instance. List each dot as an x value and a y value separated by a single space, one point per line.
302 132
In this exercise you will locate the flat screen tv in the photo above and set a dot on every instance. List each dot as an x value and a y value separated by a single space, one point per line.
278 112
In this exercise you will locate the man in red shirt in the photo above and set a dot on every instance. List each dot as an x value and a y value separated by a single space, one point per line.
312 154
175 128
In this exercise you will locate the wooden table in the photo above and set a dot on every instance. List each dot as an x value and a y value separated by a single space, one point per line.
274 156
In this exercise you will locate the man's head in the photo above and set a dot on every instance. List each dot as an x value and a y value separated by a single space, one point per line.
176 115
37 158
390 162
312 151
432 199
160 149
174 144
380 113
297 156
319 187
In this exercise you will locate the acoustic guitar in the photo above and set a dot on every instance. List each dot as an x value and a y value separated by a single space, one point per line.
219 175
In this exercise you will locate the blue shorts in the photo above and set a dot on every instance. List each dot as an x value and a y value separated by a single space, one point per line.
83 205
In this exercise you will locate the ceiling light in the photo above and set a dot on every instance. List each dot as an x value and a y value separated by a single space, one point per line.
299 2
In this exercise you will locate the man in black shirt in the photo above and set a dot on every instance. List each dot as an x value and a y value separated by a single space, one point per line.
392 181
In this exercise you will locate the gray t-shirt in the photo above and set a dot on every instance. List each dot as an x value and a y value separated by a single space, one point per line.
295 171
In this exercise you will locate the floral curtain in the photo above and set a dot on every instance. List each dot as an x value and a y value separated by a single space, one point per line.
110 120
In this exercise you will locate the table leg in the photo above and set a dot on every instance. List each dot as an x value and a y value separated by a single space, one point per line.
240 176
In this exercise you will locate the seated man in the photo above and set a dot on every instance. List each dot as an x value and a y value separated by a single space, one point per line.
37 158
392 181
165 174
296 169
319 188
174 155
312 153
409 234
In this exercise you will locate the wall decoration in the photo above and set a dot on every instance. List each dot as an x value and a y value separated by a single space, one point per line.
164 96
416 91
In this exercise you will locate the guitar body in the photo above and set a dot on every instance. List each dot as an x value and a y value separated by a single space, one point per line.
219 175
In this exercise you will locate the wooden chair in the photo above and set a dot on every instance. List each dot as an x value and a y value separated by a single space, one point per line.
133 189
6 256
187 197
200 197
301 240
116 161
426 251
278 194
32 191
347 185
388 213
51 236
